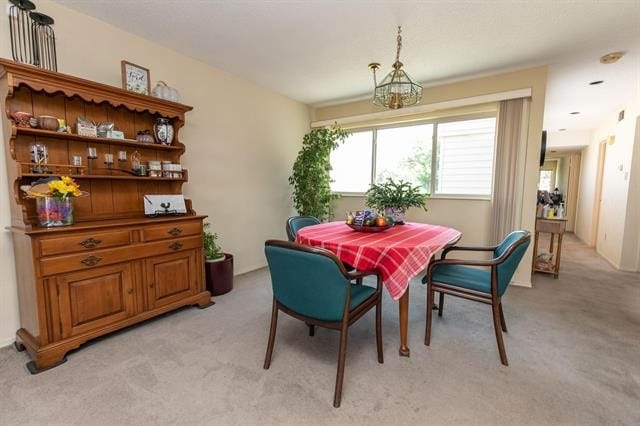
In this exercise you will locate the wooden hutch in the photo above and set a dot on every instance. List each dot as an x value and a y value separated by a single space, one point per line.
114 266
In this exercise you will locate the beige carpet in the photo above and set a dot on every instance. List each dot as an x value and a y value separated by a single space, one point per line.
573 346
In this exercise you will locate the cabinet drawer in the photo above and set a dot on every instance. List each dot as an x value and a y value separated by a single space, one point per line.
83 242
171 230
79 261
552 226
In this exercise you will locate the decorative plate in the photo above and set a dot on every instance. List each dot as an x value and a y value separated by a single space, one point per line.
369 228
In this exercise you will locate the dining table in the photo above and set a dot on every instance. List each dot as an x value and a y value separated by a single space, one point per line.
399 253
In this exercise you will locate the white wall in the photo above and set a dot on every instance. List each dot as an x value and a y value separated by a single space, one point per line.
586 193
569 140
618 227
471 217
562 175
241 139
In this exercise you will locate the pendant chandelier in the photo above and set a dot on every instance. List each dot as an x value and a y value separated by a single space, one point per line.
397 89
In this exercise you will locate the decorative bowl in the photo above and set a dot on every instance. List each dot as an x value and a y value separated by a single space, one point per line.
369 228
48 122
21 118
145 137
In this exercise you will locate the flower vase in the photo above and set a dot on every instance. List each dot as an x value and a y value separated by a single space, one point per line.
54 211
163 131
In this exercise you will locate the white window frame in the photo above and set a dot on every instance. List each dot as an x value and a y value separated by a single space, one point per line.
434 146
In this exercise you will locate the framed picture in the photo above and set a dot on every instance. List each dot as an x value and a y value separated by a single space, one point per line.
135 78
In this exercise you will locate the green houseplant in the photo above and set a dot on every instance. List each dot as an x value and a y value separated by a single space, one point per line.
394 198
310 178
218 266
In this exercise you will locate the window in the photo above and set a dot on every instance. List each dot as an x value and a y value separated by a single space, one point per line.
465 157
463 163
351 163
409 160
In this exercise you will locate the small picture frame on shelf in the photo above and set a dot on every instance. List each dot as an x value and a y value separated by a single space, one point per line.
135 78
85 128
163 205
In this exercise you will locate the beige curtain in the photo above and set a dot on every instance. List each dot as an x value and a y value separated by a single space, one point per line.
508 186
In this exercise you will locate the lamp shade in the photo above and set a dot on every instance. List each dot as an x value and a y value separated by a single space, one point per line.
397 89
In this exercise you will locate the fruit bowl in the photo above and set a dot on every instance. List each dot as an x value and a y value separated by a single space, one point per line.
369 228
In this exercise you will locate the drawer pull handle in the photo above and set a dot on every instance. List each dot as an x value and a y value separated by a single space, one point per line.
176 246
152 285
175 231
90 243
91 260
129 290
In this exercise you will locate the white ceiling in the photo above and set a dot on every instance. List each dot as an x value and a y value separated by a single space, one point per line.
317 51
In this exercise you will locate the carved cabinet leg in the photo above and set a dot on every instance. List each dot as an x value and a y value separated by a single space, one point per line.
33 368
19 346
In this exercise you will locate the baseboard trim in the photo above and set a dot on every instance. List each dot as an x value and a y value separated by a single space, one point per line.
609 261
7 342
526 284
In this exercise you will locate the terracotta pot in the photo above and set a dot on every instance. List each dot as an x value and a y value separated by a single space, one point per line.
396 213
219 275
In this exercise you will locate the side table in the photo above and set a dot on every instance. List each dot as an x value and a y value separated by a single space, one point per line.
553 226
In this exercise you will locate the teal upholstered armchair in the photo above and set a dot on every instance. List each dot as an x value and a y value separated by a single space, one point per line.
312 285
480 280
295 223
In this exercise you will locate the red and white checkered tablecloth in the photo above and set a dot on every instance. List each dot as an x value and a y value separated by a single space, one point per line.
399 253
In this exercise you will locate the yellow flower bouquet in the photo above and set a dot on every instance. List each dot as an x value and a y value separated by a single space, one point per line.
54 200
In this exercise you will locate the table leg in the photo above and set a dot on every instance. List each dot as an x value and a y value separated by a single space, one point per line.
403 304
551 244
557 265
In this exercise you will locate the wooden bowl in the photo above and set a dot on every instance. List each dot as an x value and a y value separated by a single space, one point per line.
48 122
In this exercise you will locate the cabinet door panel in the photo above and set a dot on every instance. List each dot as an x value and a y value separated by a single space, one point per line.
94 299
171 277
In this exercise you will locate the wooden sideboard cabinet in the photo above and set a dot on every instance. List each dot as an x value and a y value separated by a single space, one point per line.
114 266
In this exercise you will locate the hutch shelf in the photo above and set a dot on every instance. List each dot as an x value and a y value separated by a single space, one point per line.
114 266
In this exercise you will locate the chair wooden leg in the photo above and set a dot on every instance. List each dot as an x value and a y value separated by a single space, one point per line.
440 304
272 335
427 331
495 307
342 354
379 330
312 330
502 321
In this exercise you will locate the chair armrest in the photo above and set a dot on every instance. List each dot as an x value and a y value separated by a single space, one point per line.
361 274
486 263
463 248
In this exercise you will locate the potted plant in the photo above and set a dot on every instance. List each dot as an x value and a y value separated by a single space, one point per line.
218 265
395 198
310 178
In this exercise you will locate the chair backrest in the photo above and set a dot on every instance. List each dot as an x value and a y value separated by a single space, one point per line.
517 242
307 280
296 223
